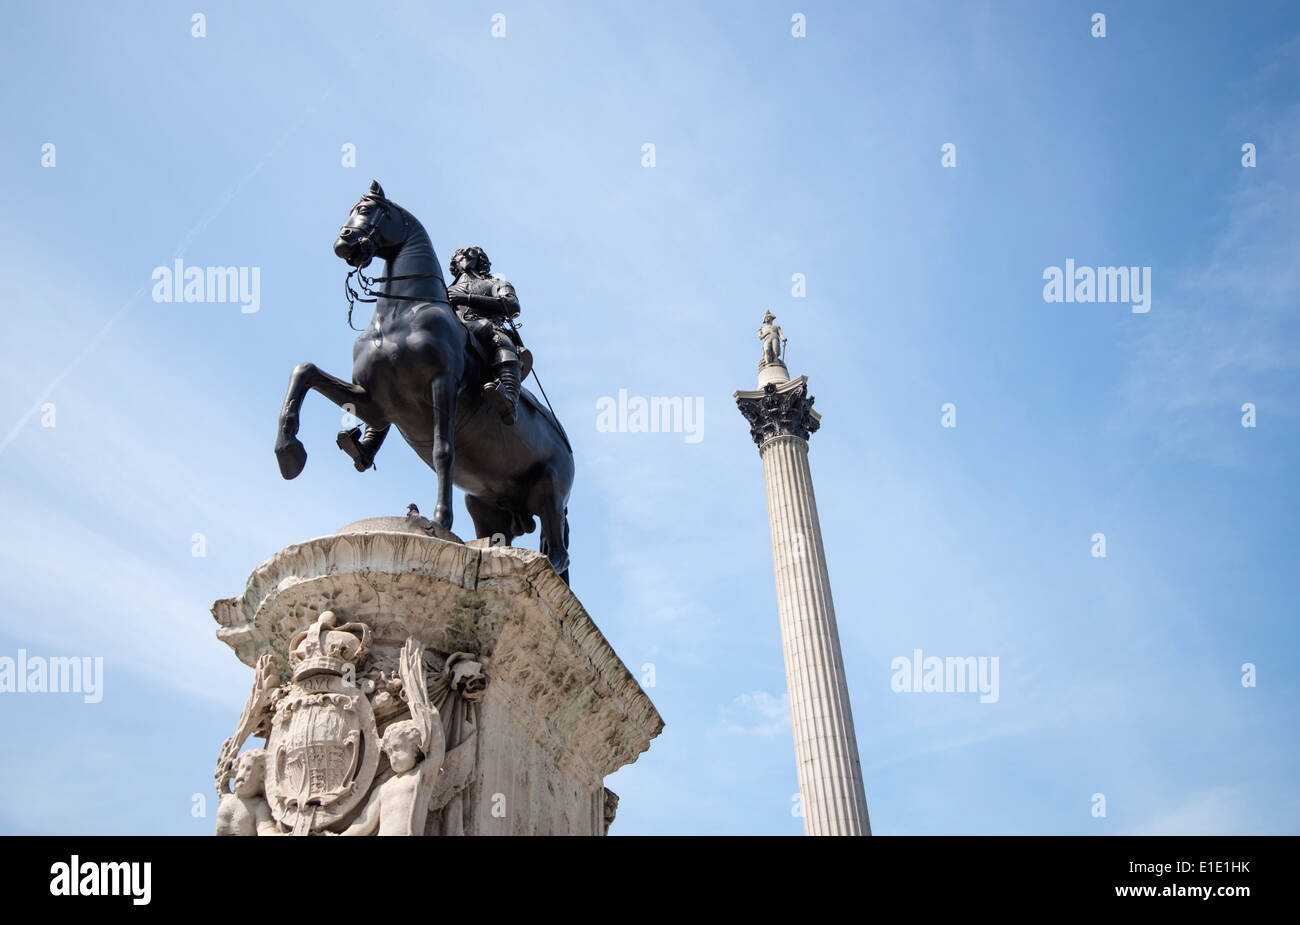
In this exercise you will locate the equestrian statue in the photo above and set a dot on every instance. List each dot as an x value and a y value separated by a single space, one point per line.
445 367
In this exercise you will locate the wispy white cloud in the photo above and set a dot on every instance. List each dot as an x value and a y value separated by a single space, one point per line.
84 593
1223 810
1227 333
757 713
1218 811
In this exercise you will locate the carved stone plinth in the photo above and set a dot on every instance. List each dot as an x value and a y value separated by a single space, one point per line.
407 684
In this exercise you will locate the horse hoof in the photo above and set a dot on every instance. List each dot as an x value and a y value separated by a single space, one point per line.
292 457
442 517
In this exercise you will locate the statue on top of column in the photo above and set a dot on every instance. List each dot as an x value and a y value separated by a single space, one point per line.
773 341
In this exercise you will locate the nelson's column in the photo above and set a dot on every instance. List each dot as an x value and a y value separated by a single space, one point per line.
781 419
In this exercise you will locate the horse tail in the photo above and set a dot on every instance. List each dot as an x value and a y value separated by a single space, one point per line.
565 576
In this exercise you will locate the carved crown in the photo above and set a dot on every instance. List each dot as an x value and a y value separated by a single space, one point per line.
326 648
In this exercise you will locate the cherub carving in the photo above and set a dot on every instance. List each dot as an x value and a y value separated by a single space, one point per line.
415 748
244 810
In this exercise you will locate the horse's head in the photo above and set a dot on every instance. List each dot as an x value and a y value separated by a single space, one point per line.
375 226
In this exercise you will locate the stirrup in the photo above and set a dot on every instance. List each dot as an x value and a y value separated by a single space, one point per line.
498 399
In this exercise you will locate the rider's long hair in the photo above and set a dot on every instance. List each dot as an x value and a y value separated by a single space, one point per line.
472 251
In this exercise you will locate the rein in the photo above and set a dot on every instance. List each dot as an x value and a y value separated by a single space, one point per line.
366 282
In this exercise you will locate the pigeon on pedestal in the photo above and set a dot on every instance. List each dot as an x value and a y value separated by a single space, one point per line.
416 519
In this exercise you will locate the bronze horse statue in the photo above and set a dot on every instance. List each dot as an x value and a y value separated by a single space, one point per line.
416 367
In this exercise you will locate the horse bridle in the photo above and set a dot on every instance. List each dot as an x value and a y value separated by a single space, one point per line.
366 282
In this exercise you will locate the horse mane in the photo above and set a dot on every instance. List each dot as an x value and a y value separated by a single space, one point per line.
418 243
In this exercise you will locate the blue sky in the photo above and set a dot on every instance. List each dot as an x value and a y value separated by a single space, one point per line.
775 155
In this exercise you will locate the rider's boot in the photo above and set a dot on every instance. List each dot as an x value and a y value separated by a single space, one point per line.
361 449
503 393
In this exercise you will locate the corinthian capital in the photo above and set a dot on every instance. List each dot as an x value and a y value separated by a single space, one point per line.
779 410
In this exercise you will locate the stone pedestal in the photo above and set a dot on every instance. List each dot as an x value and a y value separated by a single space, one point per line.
526 707
781 420
774 372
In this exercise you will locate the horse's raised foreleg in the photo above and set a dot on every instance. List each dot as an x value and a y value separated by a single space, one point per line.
289 451
443 393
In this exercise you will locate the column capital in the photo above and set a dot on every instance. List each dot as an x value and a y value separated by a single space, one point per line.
779 410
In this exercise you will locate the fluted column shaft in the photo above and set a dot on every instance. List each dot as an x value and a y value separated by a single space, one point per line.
826 749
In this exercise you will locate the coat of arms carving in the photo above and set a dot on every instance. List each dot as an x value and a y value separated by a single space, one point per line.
326 768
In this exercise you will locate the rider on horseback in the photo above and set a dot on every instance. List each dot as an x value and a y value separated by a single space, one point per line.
487 304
